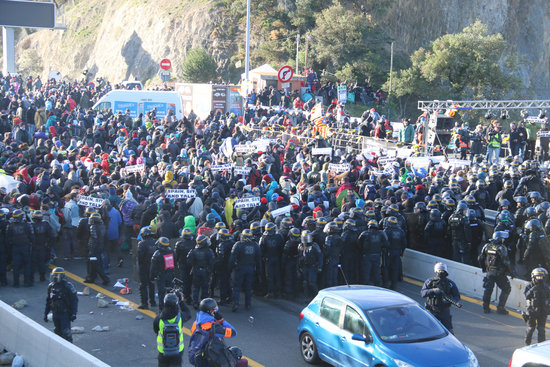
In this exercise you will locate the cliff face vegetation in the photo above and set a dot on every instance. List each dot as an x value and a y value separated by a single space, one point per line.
126 39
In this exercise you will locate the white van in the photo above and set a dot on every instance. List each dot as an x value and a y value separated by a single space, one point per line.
141 102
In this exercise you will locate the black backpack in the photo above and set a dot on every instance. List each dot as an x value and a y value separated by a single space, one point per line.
217 354
171 337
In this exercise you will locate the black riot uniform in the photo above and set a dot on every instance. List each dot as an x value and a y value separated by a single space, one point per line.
434 234
331 249
41 247
350 252
373 246
537 295
245 263
461 234
185 244
310 263
290 262
494 261
397 242
19 238
271 244
96 245
223 253
4 255
163 268
146 249
201 261
62 301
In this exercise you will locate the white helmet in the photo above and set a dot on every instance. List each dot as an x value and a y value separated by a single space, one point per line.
440 267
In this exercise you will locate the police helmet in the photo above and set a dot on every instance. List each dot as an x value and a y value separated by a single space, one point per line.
57 274
286 222
454 186
146 233
539 274
255 228
339 221
223 234
263 222
170 300
356 211
437 198
480 184
373 224
294 232
500 235
543 207
270 228
211 219
308 221
461 206
505 216
533 224
470 199
37 214
220 225
370 214
350 224
394 208
440 268
504 202
321 222
449 203
246 234
17 214
508 184
307 238
392 220
187 234
535 195
435 214
420 206
209 306
332 227
163 241
432 204
95 217
202 241
521 200
378 202
530 212
89 211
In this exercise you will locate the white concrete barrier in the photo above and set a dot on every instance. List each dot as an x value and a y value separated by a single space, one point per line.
469 279
37 345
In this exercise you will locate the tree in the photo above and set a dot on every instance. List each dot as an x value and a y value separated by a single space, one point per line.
472 64
30 62
198 67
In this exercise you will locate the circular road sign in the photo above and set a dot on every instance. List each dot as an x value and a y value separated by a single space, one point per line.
285 74
165 64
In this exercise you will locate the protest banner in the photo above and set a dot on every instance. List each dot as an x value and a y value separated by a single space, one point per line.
133 169
339 168
246 203
321 151
89 201
181 193
241 170
281 211
221 167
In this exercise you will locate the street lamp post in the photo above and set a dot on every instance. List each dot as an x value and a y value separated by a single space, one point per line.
247 62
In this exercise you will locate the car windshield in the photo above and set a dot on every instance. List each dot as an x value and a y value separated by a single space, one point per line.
405 324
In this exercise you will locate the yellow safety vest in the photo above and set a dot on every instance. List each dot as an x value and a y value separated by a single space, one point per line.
494 143
160 343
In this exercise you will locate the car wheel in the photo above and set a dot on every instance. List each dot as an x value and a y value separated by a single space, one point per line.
308 348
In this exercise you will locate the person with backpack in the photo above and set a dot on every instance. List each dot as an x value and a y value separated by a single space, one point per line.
169 329
207 331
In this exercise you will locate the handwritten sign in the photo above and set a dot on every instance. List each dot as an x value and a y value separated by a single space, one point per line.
241 170
344 167
245 148
281 211
321 151
247 203
132 169
382 161
220 167
89 201
181 193
543 134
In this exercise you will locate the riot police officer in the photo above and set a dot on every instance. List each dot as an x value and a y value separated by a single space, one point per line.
271 244
290 261
537 250
440 292
331 252
495 262
397 242
434 234
245 263
146 249
201 261
42 243
185 244
223 252
350 252
373 245
62 301
461 234
19 238
537 294
310 263
96 245
163 268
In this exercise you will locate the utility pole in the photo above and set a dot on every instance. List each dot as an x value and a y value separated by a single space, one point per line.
247 61
297 49
307 47
391 76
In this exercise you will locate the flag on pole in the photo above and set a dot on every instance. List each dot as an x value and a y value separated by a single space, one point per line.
319 126
317 111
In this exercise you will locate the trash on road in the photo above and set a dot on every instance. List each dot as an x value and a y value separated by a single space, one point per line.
139 317
18 361
96 350
122 303
101 303
100 328
100 295
86 291
143 345
7 358
77 330
19 305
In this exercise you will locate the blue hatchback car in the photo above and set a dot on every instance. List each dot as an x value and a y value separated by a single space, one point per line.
370 326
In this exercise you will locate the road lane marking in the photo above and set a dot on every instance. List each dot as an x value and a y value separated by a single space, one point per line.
149 313
472 300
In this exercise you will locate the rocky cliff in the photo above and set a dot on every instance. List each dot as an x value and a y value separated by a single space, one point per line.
126 39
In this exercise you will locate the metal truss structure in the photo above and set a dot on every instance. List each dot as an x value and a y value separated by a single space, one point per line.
432 106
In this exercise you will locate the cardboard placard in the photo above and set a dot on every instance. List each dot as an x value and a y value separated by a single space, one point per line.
321 151
543 133
339 168
89 201
245 148
241 170
247 203
221 167
181 193
132 169
382 161
281 211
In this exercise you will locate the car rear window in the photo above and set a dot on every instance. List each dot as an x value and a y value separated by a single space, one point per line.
405 324
331 309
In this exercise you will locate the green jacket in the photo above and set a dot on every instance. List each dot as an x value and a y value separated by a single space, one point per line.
532 129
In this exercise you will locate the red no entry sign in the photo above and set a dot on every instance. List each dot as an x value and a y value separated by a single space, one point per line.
165 64
285 74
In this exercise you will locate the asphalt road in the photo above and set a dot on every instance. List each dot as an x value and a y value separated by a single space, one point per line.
266 333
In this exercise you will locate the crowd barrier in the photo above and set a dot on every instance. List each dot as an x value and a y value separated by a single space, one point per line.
39 346
469 279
